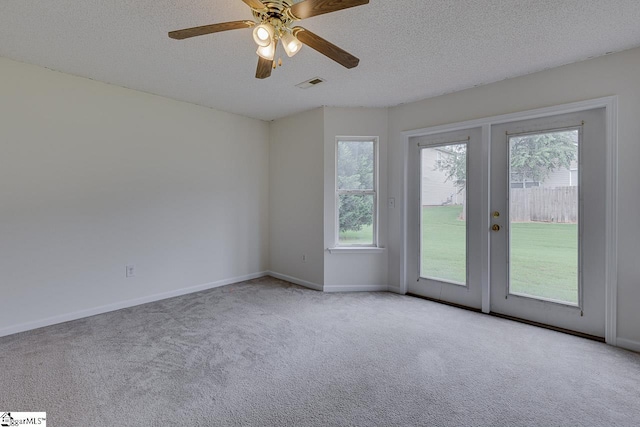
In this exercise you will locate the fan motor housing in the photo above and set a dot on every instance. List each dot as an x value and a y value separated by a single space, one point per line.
276 14
274 9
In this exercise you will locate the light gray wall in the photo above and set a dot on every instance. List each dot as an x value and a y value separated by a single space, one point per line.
354 270
302 198
110 176
94 177
615 74
296 194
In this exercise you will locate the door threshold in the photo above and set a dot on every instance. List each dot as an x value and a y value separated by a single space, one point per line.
452 304
553 328
515 319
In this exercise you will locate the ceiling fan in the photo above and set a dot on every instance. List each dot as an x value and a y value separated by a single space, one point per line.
273 22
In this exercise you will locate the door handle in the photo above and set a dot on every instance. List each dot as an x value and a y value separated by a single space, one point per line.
495 227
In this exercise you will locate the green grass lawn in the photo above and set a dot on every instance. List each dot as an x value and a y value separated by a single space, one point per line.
544 258
443 243
362 237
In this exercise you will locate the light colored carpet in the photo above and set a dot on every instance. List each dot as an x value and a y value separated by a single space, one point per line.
268 353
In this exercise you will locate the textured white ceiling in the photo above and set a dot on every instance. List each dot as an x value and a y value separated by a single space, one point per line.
409 49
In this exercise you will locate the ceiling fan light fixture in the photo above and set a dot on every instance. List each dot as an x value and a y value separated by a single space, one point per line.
267 52
273 20
263 34
291 44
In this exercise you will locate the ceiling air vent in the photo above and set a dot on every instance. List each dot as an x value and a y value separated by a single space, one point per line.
311 82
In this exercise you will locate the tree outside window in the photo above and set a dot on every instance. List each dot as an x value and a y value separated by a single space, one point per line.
356 192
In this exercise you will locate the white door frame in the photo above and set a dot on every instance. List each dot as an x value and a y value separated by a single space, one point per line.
610 104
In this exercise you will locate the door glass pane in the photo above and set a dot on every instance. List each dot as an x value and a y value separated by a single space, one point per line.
356 214
543 210
443 224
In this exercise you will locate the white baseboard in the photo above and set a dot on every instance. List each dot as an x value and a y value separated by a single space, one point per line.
395 289
295 280
628 344
14 329
356 288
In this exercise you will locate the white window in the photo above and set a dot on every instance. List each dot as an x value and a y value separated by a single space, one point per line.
356 191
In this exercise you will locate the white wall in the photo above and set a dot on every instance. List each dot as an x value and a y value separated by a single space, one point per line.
94 177
296 198
354 271
616 74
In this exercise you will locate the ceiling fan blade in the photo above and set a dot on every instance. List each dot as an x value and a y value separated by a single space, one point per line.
209 29
326 48
309 8
264 68
255 4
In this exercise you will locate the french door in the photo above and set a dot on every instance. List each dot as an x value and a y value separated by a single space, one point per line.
515 220
445 197
548 219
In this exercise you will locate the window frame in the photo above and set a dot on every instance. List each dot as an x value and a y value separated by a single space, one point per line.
374 192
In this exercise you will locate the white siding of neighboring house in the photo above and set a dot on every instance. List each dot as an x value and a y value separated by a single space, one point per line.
562 177
557 178
436 190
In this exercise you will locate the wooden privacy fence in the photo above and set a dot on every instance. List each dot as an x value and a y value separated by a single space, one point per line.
541 204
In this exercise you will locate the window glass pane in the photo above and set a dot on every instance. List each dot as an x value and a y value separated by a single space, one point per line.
443 225
355 165
356 219
544 217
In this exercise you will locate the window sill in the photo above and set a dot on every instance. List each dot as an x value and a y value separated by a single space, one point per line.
356 250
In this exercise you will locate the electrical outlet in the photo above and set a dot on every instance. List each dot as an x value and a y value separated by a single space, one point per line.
130 270
304 257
